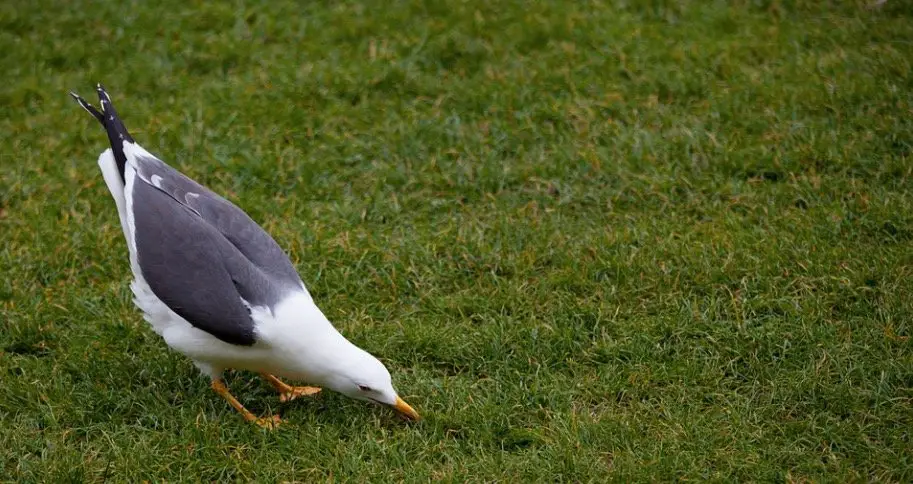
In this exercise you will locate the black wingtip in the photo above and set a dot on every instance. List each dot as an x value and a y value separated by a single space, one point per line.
103 96
88 107
117 132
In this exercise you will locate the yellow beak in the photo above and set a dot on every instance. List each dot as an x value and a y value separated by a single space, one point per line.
402 407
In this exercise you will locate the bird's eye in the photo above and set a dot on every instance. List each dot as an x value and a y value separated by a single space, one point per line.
364 388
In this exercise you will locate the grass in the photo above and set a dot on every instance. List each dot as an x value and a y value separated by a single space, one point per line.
593 241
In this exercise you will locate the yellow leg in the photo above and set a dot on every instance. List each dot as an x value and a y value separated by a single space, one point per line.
288 392
268 423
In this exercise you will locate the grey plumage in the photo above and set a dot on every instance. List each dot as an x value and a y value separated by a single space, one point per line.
201 255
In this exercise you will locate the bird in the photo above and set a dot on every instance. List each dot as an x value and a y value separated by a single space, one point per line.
219 289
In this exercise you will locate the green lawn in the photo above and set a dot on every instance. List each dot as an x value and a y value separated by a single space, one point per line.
592 240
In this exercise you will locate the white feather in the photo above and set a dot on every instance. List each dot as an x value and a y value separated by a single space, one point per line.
112 179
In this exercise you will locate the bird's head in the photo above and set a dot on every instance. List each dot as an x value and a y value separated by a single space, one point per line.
366 378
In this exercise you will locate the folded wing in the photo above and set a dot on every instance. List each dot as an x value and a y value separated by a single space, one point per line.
202 255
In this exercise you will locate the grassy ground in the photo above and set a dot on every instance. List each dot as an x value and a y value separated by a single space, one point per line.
624 240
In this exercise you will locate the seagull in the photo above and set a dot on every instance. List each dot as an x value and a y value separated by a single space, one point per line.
218 289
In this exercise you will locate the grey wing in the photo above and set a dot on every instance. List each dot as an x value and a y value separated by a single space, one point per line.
195 270
232 222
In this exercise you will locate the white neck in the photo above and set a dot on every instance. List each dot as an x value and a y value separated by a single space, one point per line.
312 349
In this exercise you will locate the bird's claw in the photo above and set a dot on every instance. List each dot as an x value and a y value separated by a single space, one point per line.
268 423
296 392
